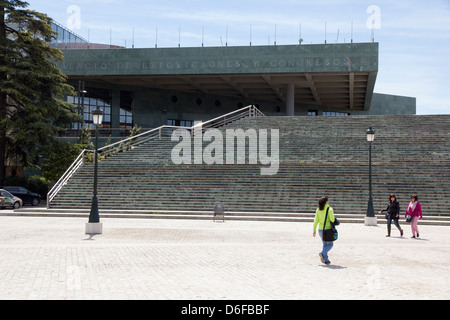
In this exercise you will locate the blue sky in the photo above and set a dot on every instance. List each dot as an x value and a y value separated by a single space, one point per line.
414 36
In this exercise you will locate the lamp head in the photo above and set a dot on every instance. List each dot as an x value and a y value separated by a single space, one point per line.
370 135
97 116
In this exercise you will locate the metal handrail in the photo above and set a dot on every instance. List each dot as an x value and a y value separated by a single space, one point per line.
248 111
65 177
154 134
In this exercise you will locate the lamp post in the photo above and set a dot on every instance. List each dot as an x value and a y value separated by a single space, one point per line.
81 93
94 226
371 219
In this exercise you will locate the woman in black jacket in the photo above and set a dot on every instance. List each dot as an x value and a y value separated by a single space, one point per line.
393 213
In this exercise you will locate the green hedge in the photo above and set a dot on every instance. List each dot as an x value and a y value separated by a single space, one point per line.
35 184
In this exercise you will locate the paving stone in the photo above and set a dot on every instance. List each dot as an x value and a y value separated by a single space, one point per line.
52 258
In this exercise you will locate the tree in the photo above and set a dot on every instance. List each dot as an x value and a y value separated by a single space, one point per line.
63 154
32 112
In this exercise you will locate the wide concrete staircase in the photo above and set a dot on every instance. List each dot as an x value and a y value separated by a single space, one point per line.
318 156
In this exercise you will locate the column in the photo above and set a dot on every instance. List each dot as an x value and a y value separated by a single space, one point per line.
115 113
290 100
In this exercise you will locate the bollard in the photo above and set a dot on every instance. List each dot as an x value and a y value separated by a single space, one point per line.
219 210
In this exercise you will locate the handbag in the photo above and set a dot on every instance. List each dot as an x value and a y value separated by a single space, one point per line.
408 218
331 234
387 216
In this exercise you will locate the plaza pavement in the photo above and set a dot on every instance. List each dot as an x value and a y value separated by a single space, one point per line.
52 258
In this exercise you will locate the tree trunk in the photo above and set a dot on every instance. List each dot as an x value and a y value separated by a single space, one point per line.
3 106
2 140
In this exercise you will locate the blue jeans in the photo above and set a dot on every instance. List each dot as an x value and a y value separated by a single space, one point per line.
389 222
327 246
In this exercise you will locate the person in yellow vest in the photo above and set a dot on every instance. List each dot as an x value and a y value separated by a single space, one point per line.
320 221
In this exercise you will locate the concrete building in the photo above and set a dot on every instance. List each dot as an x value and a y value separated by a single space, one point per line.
177 86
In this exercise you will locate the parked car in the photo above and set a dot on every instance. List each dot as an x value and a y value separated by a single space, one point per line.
7 200
27 196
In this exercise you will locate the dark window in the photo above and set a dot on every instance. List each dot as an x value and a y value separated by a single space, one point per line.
126 110
93 98
180 123
335 114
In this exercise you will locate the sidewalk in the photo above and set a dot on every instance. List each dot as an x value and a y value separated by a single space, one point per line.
52 258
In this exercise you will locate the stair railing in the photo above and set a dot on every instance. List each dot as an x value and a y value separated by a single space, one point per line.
135 141
249 111
66 177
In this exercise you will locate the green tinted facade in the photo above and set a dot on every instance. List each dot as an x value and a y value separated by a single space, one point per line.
152 87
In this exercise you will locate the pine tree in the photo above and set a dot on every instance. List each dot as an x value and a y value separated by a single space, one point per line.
32 112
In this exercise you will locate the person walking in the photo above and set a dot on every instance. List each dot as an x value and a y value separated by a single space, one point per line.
415 211
319 220
393 213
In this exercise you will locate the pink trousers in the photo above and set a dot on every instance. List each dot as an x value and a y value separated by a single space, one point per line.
414 227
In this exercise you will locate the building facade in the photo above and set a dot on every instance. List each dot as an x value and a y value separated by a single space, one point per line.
177 86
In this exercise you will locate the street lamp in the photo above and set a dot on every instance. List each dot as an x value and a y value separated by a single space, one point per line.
81 93
371 219
94 226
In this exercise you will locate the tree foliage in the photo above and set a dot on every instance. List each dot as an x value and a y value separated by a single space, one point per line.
32 112
63 154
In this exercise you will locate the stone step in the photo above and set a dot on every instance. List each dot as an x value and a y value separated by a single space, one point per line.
317 156
208 215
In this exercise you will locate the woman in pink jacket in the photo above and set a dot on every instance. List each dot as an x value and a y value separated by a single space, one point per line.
415 211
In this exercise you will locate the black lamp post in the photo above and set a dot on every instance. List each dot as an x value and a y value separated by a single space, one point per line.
371 219
81 93
94 226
